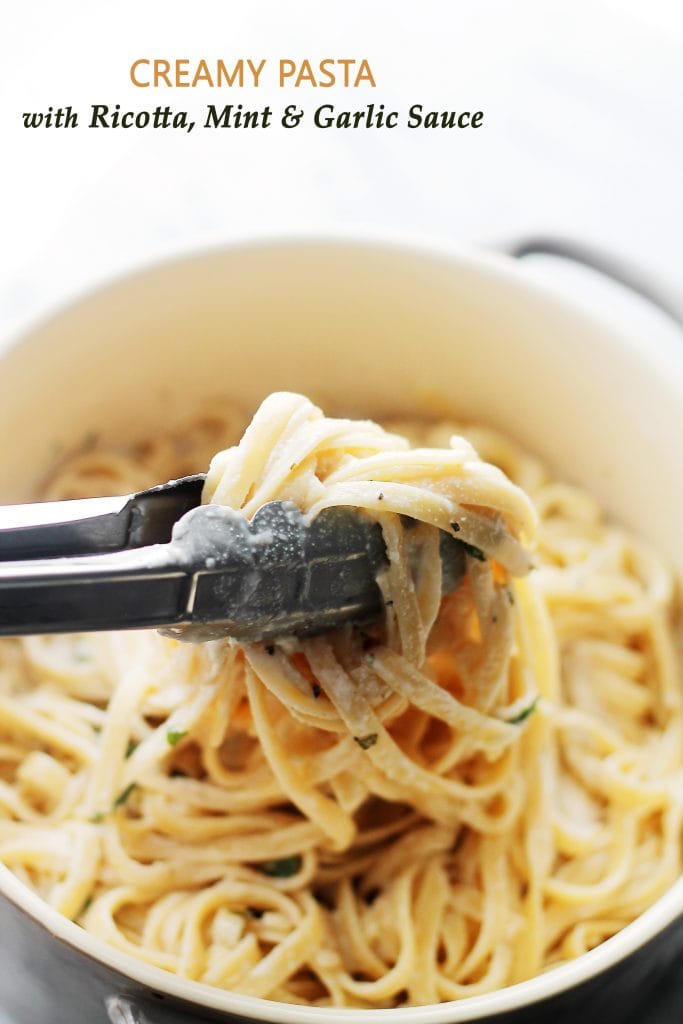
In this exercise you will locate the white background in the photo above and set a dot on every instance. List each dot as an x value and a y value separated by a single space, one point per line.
582 137
583 133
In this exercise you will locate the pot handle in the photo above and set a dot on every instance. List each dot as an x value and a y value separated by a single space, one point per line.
122 1011
608 265
125 1009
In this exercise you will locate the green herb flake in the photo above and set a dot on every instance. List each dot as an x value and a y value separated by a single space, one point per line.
97 817
473 551
285 867
365 742
90 439
174 736
86 906
523 715
510 595
123 795
132 745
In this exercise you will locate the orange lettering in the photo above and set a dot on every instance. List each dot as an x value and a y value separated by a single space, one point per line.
202 74
133 71
287 69
365 74
161 70
329 75
182 73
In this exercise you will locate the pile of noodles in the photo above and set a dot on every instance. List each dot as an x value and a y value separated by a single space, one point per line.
477 787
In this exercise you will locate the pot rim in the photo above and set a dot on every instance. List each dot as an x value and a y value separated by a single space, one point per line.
495 260
629 940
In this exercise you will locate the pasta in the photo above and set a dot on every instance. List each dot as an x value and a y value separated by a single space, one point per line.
474 789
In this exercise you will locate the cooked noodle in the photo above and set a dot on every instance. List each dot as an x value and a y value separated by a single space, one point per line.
469 792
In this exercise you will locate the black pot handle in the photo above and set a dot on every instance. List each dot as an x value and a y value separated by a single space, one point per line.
608 265
123 1011
131 1009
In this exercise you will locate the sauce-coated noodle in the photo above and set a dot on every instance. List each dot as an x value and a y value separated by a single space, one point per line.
469 792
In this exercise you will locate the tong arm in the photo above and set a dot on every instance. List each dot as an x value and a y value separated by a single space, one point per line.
96 525
220 575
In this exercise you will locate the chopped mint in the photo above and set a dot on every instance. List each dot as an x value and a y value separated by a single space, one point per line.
365 742
524 714
285 867
174 736
123 795
473 551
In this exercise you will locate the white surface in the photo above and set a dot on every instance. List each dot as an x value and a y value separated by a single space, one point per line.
583 132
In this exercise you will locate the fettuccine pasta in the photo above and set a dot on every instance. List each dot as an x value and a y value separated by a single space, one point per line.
477 787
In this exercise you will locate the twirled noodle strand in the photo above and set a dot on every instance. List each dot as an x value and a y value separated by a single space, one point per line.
475 788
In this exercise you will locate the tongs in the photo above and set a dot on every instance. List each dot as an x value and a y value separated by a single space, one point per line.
159 558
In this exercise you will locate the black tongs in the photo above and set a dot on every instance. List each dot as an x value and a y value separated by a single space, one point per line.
161 559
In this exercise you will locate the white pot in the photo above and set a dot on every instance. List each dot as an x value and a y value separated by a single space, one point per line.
365 328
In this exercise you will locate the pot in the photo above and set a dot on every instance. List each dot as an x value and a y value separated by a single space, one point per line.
368 328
